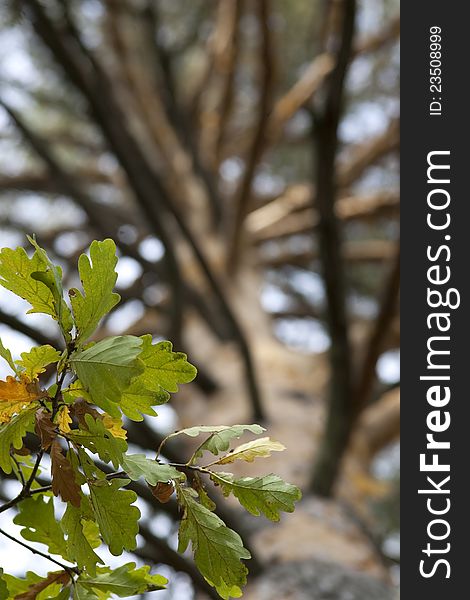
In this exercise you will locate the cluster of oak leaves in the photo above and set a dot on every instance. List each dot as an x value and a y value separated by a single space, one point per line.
78 423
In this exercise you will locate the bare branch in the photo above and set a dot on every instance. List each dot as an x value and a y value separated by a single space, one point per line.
380 329
351 252
242 198
294 222
325 143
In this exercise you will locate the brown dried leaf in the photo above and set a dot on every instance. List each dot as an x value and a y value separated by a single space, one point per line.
24 451
162 491
80 408
45 428
31 593
16 395
63 477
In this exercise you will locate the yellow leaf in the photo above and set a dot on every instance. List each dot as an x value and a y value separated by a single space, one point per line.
16 395
64 419
114 426
260 448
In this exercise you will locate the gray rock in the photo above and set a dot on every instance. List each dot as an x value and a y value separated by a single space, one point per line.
319 581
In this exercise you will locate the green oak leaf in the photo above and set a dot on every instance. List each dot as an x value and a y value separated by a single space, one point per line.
260 448
6 355
51 277
78 545
74 391
36 515
98 278
35 361
268 494
99 440
82 593
137 401
115 515
123 581
90 469
16 269
220 437
138 465
64 594
164 370
204 497
217 549
3 587
12 434
107 368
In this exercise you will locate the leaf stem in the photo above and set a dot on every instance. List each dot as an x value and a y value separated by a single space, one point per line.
27 486
191 467
162 443
70 570
55 400
20 471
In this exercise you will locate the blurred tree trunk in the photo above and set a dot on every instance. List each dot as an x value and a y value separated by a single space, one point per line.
161 123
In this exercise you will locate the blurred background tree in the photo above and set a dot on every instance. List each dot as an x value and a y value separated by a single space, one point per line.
243 156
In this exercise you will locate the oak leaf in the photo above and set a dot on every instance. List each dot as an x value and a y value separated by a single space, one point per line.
162 491
6 355
34 362
17 395
57 577
98 277
63 477
114 426
260 448
64 419
80 408
45 428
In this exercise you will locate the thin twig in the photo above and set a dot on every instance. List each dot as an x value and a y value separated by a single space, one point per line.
70 570
20 472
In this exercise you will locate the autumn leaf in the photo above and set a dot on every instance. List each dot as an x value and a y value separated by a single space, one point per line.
45 428
63 478
80 408
17 395
64 419
162 491
260 448
114 426
57 577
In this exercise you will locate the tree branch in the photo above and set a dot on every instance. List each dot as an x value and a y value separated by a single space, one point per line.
148 188
30 332
325 140
243 195
70 570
